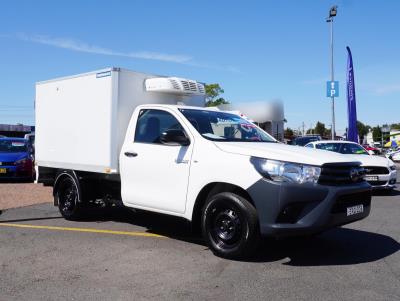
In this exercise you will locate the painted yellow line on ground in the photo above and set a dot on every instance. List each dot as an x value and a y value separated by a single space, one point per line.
129 233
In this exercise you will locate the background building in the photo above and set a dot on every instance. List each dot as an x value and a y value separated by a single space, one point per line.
267 115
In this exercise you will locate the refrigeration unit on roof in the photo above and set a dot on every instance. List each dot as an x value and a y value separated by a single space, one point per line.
174 85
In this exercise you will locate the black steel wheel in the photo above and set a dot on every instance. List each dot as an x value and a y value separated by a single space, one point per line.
230 225
68 198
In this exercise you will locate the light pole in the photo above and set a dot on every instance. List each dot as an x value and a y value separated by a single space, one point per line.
332 14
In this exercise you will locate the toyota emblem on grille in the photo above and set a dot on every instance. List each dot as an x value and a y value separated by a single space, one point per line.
356 174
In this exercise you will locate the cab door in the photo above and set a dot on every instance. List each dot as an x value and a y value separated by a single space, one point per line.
155 175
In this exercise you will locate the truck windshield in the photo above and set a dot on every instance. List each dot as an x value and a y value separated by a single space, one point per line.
221 126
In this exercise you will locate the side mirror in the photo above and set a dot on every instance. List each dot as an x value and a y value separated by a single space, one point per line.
174 137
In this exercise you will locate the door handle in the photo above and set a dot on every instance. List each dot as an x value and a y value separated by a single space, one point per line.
130 154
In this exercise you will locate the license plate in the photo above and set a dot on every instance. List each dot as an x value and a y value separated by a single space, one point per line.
355 210
371 178
3 170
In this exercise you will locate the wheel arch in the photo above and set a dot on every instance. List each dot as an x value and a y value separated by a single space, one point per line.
62 174
209 190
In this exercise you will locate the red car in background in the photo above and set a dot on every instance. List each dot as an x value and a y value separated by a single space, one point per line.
371 150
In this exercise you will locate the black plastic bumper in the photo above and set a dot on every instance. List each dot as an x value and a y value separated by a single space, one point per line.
295 210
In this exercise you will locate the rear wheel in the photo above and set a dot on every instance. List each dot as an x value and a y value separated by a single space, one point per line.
230 225
68 198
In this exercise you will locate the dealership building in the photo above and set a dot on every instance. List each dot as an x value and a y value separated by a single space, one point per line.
267 115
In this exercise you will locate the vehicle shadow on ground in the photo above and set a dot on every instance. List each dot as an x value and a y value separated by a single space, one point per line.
16 181
161 224
385 193
340 246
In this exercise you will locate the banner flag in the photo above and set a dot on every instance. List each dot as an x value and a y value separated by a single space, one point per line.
352 132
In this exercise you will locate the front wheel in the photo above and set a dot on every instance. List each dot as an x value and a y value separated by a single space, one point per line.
230 225
68 198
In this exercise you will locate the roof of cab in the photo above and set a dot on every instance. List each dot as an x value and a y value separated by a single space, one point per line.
211 109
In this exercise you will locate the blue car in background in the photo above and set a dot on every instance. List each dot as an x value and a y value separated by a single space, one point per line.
16 159
303 140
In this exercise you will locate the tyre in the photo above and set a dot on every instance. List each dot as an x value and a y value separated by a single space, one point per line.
68 198
230 226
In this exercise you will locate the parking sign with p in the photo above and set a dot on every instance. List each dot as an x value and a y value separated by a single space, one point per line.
332 89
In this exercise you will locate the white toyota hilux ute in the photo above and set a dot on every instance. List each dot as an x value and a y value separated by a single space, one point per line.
231 179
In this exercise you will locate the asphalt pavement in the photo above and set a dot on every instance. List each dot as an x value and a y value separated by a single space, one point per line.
120 254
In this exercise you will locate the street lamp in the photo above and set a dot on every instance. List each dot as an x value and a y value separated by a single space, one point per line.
332 14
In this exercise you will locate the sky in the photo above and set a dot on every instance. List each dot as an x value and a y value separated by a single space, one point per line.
256 50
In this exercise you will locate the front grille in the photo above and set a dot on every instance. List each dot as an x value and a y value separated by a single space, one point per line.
341 173
349 200
376 170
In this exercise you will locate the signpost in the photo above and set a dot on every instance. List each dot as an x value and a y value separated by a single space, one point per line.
332 89
332 92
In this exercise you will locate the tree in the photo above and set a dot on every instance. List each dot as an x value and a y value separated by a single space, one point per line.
328 133
395 126
289 133
362 129
376 133
320 129
213 92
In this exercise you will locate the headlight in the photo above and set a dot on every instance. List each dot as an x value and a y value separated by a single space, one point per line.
392 167
280 171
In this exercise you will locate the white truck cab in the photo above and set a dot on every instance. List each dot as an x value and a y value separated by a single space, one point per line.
221 172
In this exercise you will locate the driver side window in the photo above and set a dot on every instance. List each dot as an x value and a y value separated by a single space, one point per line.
152 123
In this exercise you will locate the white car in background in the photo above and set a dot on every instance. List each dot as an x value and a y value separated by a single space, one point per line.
380 172
396 156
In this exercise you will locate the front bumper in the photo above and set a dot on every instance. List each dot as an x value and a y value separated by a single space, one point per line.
387 181
15 172
295 210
